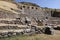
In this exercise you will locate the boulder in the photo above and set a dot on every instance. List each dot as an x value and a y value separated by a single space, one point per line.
48 30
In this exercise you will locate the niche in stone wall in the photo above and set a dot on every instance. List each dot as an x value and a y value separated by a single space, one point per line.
36 8
32 7
23 6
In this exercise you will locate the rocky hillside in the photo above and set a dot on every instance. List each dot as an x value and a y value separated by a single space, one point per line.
12 10
6 9
29 4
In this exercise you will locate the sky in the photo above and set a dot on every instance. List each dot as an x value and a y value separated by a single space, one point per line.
44 3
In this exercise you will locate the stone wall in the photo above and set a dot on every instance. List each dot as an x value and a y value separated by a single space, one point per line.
33 12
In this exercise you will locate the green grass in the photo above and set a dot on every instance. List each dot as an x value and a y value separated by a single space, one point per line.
21 37
33 37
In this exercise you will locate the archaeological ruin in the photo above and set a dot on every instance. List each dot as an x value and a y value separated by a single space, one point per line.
25 17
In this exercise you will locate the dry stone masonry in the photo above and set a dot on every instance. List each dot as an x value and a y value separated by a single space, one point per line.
24 17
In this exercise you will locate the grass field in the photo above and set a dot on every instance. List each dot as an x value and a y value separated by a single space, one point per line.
33 37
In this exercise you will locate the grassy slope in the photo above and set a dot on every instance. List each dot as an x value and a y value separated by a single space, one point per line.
34 37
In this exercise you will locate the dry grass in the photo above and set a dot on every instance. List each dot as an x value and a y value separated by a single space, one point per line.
34 37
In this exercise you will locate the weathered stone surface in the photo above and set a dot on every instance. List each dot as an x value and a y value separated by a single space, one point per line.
15 14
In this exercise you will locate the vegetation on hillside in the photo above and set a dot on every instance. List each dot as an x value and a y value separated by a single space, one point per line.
33 37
